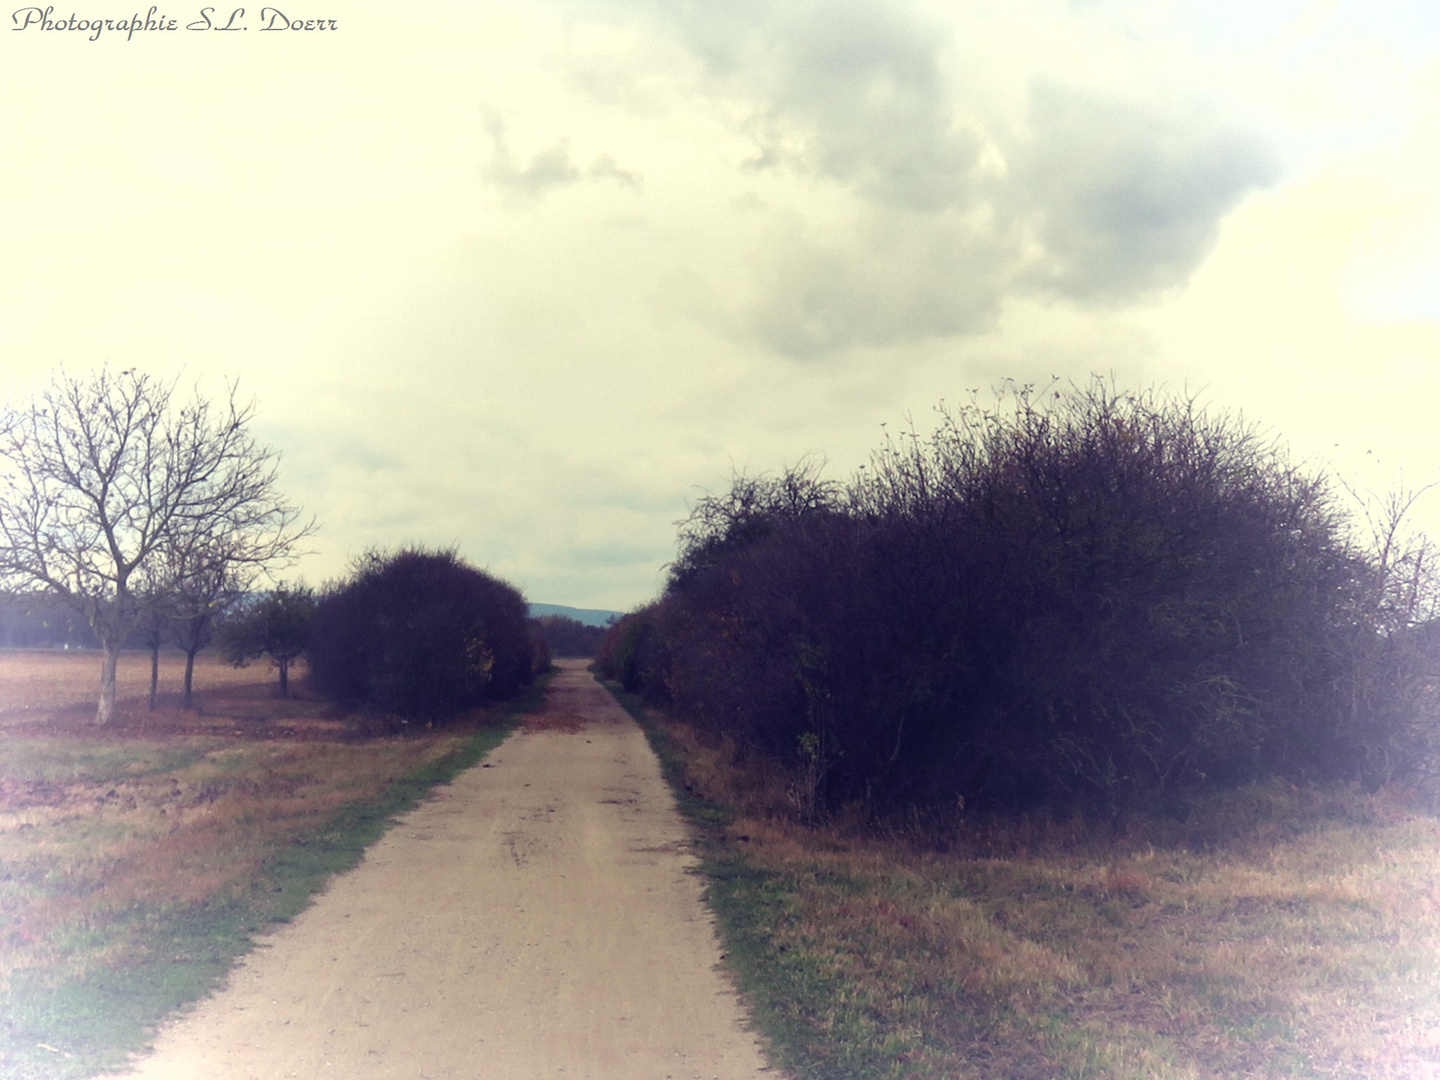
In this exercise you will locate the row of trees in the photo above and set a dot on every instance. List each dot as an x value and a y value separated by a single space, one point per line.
154 519
132 506
31 620
274 622
414 633
1082 599
568 637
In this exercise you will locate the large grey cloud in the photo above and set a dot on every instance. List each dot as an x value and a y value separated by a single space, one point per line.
1099 198
1126 196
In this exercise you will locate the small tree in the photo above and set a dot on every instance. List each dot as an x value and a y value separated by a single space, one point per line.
193 611
103 476
154 633
276 624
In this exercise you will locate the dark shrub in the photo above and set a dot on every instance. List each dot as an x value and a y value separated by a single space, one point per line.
420 634
1092 600
632 653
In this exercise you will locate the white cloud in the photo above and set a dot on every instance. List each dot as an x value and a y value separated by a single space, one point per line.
565 262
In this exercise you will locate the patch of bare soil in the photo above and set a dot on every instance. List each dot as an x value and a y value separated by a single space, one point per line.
537 918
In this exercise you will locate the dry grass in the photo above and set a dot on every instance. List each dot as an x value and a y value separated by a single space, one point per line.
115 840
1277 933
42 680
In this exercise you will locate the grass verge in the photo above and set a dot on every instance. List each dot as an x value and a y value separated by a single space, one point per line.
134 871
1277 933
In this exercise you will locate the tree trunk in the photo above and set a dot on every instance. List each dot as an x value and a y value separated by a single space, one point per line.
154 670
189 674
284 677
105 713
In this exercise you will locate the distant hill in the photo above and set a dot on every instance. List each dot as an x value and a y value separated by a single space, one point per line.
588 616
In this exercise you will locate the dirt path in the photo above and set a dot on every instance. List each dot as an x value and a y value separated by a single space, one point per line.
533 919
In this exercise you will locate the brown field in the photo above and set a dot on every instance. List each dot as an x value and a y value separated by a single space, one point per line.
147 849
57 690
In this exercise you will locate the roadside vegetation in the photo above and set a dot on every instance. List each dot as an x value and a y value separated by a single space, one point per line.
1278 932
1085 736
1082 601
139 859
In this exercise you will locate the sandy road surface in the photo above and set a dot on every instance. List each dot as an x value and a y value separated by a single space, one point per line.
533 919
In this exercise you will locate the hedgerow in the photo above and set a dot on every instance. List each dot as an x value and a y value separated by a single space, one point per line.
1087 600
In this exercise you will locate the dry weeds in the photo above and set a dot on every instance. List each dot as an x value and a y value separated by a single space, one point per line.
1278 933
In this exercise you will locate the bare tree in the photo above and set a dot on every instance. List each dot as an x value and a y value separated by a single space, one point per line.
207 576
194 611
1390 655
196 589
111 491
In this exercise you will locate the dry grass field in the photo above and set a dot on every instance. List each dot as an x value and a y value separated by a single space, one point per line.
137 859
58 689
1276 933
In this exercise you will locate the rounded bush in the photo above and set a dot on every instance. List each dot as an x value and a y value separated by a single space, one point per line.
420 634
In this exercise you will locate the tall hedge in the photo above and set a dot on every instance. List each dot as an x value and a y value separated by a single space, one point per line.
420 634
1091 599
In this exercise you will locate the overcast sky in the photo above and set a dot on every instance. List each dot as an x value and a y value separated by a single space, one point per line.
526 278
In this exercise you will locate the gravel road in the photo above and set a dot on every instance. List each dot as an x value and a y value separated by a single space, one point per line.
534 919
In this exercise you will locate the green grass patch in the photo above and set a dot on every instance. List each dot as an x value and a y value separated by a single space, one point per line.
38 760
